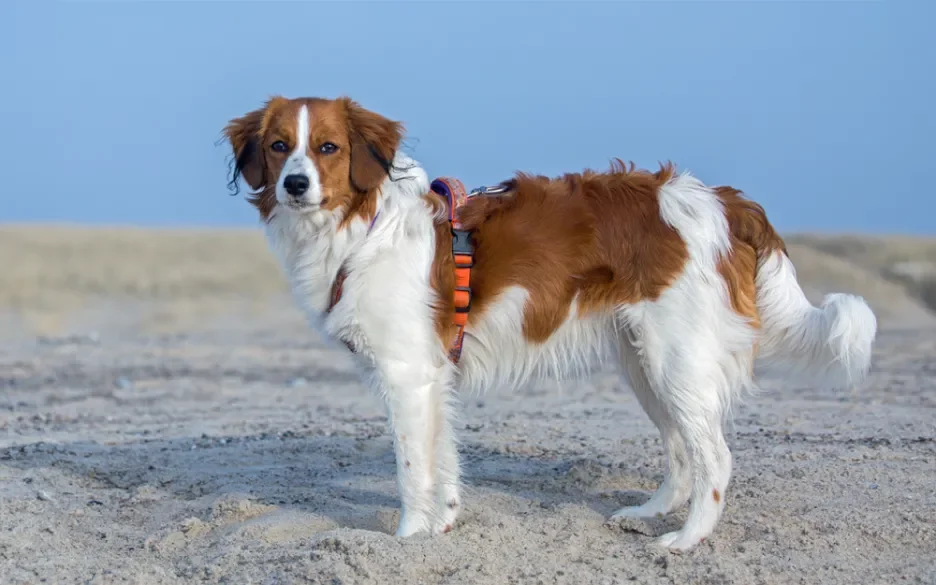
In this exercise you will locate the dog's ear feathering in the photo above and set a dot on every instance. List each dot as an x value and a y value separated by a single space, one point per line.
374 142
246 137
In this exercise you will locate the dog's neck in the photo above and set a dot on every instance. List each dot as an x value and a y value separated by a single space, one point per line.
313 247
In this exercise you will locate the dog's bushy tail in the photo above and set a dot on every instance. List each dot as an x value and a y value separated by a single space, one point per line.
829 345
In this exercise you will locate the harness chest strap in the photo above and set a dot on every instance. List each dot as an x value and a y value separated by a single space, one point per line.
462 252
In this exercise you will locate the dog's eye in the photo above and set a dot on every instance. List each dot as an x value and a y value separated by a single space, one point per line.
279 146
328 148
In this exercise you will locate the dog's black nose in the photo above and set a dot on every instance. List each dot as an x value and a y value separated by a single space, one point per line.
296 185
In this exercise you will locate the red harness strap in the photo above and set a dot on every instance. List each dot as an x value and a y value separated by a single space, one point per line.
462 251
338 285
336 289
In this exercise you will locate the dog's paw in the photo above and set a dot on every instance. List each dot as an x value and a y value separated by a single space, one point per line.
411 524
679 541
637 512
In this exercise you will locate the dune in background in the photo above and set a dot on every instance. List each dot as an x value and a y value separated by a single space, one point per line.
59 278
908 261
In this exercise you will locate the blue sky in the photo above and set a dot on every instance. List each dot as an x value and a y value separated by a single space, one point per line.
822 111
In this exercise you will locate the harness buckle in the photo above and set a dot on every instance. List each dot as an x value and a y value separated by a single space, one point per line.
462 246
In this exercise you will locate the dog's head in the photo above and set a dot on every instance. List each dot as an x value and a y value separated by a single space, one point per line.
313 155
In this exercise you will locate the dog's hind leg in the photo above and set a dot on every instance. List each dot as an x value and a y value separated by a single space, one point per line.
711 463
693 383
694 368
674 491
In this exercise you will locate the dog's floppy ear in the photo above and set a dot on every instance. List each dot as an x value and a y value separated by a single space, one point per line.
245 135
374 142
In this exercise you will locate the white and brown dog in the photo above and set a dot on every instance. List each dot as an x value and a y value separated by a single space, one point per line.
687 287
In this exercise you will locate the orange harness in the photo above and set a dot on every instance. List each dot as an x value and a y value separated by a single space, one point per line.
462 251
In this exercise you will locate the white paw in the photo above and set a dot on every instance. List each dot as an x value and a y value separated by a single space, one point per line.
679 540
637 512
411 524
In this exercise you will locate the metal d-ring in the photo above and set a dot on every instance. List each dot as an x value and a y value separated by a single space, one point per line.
496 190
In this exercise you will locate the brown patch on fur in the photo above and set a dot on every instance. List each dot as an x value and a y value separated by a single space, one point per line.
446 529
350 176
752 239
597 235
739 269
373 142
716 496
748 222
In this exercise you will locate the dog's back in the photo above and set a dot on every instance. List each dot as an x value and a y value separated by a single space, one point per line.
687 287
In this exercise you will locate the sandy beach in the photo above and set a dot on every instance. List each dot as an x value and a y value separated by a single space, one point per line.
166 416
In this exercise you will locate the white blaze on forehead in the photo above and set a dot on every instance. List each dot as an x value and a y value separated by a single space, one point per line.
302 133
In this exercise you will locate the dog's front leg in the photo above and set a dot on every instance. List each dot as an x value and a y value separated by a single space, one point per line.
448 474
409 399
